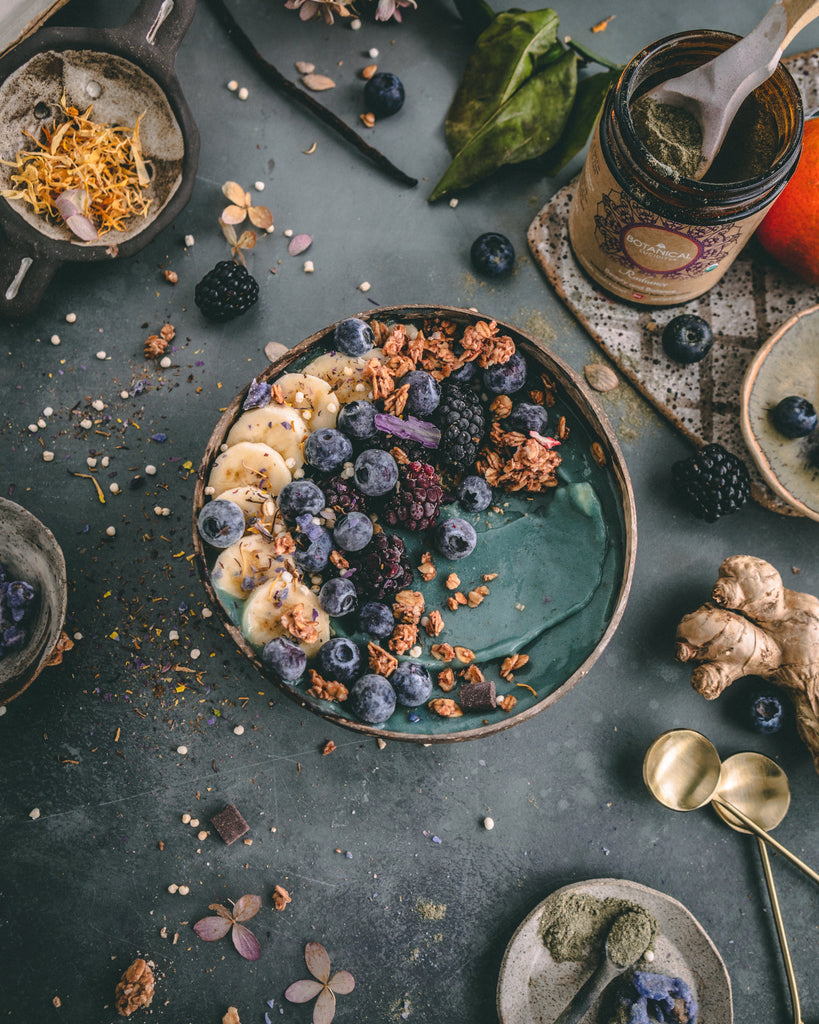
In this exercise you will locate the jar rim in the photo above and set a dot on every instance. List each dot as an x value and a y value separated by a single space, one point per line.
701 192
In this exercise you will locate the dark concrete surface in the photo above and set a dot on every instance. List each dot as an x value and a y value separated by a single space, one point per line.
92 744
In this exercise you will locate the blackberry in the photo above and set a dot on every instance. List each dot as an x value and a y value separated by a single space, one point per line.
226 292
414 450
417 499
382 568
342 495
463 423
712 483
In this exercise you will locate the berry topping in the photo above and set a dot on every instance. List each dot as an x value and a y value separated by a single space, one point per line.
416 501
382 568
424 393
412 684
525 416
221 523
687 338
474 494
339 659
712 483
353 336
357 420
342 495
506 378
338 596
226 292
384 94
463 424
794 417
492 255
327 449
284 658
313 545
353 531
372 699
376 619
455 538
300 497
376 472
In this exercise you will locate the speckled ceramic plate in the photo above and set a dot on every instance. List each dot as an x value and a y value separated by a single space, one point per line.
787 364
534 989
564 560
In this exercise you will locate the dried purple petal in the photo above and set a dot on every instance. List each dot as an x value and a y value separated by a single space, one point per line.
317 960
410 429
212 928
325 1008
247 907
69 206
246 943
221 911
299 244
303 991
342 983
258 394
159 438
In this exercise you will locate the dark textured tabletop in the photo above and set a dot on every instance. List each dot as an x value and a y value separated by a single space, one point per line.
384 852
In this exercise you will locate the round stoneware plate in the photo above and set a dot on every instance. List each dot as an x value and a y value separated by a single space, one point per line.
563 559
534 989
787 364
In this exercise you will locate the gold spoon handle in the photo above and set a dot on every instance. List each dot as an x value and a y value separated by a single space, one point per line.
760 833
780 930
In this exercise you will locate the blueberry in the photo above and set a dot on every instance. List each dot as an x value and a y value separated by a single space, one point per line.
464 374
376 619
474 494
384 94
284 658
300 497
455 538
506 378
492 255
412 684
687 338
221 523
766 714
353 336
372 699
424 393
353 531
376 472
327 449
339 659
338 596
313 549
357 420
794 417
526 416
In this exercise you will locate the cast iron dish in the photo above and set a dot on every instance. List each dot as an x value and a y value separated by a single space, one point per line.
29 551
539 558
124 72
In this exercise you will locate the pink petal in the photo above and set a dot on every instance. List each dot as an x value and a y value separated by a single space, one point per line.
261 217
233 191
303 991
228 231
342 983
247 907
233 214
246 942
325 1008
299 244
212 928
317 960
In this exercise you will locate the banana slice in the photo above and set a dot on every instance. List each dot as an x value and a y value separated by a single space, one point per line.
245 565
278 426
284 607
345 374
249 464
255 503
313 396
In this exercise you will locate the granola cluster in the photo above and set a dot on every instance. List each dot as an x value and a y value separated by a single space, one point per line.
135 988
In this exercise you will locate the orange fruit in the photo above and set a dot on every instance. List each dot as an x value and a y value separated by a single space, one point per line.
790 230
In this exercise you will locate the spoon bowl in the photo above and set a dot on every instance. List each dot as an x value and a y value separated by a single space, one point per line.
756 785
681 770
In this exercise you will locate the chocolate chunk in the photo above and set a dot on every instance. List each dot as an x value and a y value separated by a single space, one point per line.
229 824
478 696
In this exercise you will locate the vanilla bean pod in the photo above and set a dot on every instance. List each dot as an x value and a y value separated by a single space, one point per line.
275 78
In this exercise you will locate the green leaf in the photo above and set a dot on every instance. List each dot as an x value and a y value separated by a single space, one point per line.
505 55
475 14
591 94
527 125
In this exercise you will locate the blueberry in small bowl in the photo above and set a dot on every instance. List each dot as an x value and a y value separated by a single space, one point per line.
794 417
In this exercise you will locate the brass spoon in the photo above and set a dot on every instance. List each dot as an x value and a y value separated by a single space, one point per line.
759 786
682 769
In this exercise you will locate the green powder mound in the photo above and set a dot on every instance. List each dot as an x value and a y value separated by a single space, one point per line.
670 134
574 926
628 938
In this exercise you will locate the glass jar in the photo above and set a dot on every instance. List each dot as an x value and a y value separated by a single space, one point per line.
644 232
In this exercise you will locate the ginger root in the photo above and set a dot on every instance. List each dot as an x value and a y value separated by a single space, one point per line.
753 625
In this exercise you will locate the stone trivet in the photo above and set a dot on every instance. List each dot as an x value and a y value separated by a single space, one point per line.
752 300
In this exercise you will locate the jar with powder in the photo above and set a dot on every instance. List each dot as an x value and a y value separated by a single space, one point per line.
638 225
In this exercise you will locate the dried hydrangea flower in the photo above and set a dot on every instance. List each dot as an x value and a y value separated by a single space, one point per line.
241 206
212 928
325 987
309 9
391 9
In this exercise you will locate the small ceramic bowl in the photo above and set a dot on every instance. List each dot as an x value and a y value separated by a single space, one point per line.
29 551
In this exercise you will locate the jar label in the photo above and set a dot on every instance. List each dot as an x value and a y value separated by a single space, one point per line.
639 255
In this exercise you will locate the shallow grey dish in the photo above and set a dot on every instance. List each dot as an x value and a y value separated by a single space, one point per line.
29 551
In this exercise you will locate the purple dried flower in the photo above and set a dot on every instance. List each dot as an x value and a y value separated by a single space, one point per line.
410 429
325 986
258 394
212 928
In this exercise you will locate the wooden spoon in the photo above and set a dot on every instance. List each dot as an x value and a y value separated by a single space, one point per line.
715 91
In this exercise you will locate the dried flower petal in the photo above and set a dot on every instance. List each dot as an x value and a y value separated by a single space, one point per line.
325 1008
342 983
317 83
299 244
212 928
246 943
233 214
317 960
260 217
303 991
221 911
69 208
247 240
247 907
258 395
